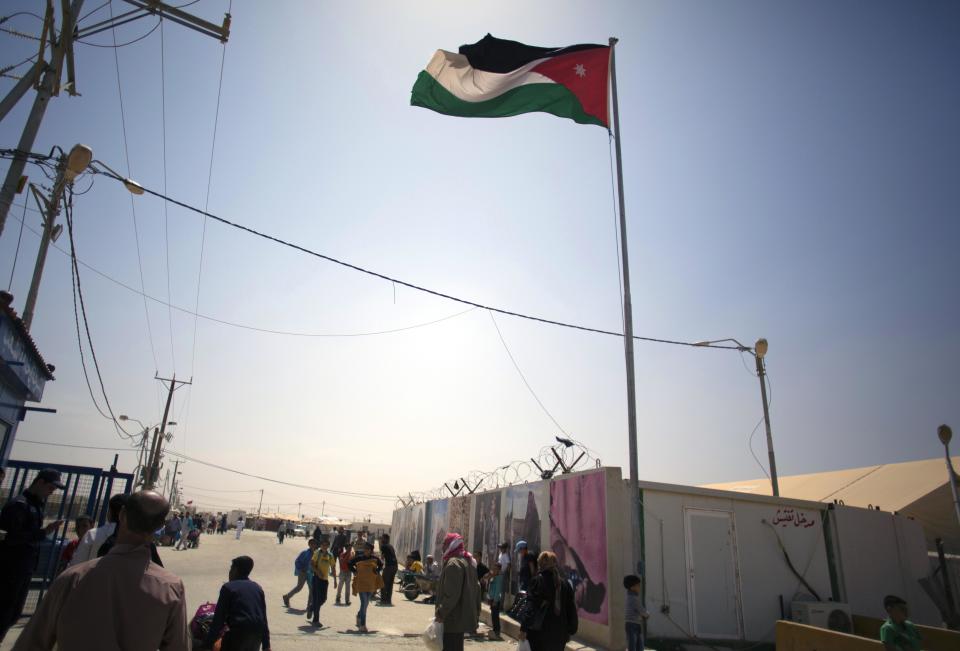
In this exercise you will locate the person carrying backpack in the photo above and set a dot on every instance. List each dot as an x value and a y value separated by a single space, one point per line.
551 619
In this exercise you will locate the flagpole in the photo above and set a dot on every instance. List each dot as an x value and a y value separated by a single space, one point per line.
636 513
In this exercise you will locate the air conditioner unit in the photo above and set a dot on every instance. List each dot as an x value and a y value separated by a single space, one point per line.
823 614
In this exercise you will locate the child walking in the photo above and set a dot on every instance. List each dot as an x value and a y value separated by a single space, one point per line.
366 569
345 557
635 613
495 595
301 568
324 568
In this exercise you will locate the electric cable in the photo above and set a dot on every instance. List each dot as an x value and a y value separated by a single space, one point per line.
115 45
244 326
73 445
203 233
68 212
523 377
133 209
16 253
4 19
92 11
166 219
369 496
410 285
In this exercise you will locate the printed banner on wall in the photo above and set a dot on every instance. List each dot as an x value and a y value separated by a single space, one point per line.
438 518
407 531
486 525
522 521
460 516
578 536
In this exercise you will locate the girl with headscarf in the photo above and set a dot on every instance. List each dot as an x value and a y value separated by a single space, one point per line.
551 619
458 598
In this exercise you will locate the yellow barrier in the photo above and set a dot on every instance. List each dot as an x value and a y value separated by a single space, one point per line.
934 639
791 636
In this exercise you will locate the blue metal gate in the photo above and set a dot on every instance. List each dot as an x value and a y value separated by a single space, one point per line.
87 492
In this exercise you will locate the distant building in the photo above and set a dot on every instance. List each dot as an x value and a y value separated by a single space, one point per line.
23 374
917 489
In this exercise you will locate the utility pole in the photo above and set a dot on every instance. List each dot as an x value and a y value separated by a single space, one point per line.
61 48
68 168
173 489
62 52
260 506
159 436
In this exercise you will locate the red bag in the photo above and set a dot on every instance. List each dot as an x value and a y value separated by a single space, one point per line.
202 619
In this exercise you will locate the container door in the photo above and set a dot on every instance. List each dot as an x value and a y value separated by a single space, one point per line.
713 576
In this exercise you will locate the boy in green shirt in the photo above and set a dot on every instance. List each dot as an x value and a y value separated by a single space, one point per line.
898 633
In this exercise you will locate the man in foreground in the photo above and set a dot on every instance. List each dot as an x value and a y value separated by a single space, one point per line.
119 601
243 608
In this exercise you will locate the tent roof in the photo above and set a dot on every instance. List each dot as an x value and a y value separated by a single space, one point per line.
891 486
917 489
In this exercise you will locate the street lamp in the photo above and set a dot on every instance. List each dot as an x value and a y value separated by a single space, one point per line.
129 184
944 433
759 351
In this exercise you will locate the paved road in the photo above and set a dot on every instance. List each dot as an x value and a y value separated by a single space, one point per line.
203 570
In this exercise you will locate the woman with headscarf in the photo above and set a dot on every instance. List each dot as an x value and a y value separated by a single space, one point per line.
551 618
458 598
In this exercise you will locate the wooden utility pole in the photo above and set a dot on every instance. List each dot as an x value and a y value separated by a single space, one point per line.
61 52
153 468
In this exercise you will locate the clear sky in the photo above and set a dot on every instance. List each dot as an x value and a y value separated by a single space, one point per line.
791 173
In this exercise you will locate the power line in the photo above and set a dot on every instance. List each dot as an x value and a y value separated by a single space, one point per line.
74 445
133 209
419 288
522 376
245 326
68 212
16 254
166 219
115 46
203 234
368 496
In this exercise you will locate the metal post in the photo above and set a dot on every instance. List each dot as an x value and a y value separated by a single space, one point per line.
260 506
761 373
636 512
49 86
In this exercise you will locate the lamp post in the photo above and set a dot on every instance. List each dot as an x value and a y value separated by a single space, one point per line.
759 351
944 433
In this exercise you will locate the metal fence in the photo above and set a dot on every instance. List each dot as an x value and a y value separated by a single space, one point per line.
87 492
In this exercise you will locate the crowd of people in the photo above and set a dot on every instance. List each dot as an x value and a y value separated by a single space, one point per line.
113 592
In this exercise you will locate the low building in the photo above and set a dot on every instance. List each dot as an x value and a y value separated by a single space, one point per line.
23 374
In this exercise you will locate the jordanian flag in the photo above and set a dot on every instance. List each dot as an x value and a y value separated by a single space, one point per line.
494 78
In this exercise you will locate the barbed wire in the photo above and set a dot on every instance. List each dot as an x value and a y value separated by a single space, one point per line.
566 456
